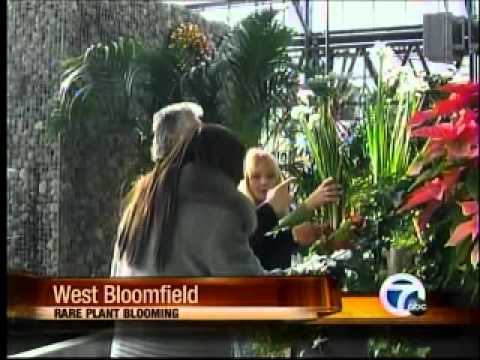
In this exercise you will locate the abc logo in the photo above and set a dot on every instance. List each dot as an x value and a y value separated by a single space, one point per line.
417 307
403 295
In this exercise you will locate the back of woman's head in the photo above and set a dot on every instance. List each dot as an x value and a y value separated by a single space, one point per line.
216 147
173 124
154 195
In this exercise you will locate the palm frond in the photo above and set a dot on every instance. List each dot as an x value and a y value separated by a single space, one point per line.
251 58
97 85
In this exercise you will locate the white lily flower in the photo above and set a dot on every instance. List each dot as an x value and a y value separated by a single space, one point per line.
342 254
298 111
350 273
409 82
383 54
313 120
304 94
368 255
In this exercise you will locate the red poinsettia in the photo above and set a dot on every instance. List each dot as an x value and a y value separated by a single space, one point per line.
461 96
467 228
457 140
433 190
455 144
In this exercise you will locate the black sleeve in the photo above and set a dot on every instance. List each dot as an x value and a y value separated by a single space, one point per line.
266 220
278 250
272 251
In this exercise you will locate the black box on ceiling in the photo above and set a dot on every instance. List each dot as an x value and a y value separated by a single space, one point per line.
443 37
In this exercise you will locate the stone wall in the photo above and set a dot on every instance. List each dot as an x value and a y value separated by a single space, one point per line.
63 196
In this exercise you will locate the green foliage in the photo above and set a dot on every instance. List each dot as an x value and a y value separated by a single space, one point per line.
203 84
471 181
446 269
388 136
380 347
384 228
257 74
324 145
275 339
318 125
298 216
405 239
433 95
97 87
335 90
159 81
355 151
122 83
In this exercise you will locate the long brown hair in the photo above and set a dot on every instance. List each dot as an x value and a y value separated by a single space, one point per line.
211 146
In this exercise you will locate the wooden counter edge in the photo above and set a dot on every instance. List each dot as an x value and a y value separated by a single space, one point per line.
367 310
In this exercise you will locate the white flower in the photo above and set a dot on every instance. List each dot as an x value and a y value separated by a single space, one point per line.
368 255
299 111
313 120
331 263
313 264
342 254
351 274
384 55
391 75
317 343
409 82
304 94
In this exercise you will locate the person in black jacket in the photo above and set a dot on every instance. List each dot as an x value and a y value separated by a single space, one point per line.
263 186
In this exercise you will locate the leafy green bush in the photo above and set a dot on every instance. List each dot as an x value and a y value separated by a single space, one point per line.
388 348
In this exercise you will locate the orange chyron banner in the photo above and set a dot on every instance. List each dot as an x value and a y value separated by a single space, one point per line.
249 298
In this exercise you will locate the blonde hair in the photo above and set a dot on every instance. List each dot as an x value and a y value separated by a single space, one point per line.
171 124
253 155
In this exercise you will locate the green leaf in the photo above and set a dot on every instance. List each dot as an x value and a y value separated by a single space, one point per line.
251 84
97 84
422 352
471 181
428 175
296 217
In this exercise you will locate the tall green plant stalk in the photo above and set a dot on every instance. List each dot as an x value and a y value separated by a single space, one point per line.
324 144
388 136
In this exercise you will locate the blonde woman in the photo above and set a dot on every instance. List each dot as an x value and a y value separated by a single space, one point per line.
263 185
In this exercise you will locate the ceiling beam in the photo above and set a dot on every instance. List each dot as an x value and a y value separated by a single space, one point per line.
300 15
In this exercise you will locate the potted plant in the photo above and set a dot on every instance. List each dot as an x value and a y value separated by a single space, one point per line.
446 174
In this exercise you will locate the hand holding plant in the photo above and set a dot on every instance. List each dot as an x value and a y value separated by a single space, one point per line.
327 192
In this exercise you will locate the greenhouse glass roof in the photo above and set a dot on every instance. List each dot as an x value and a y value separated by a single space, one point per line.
342 15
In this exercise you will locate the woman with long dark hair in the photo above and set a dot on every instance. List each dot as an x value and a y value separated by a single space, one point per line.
186 218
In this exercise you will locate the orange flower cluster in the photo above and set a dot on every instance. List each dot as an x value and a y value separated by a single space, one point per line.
190 37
